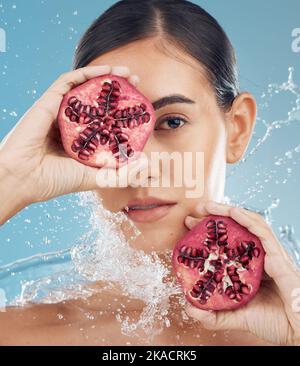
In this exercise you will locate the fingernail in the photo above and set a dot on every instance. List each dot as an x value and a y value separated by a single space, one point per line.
101 67
120 70
135 79
190 221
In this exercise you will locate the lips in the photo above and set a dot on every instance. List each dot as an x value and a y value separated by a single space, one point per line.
148 209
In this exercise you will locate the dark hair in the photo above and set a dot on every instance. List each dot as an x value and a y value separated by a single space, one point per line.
180 21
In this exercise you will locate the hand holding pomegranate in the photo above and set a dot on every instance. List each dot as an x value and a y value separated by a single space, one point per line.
273 314
33 164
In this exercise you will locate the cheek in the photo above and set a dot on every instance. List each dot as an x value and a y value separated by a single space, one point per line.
214 145
208 137
215 160
207 134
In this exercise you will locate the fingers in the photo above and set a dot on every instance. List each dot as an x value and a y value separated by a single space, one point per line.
125 73
190 222
70 79
51 99
251 220
217 320
120 71
215 208
194 217
45 110
38 119
254 222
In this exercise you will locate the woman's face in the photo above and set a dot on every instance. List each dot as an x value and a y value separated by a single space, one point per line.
192 124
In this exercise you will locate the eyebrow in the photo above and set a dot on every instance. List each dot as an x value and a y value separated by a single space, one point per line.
171 99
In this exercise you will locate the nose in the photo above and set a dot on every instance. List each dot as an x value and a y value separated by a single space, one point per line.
151 175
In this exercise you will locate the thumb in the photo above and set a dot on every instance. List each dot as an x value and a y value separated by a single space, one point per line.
217 320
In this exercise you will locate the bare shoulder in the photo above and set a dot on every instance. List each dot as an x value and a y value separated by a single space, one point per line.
33 324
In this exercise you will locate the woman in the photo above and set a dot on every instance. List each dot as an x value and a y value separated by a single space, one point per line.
179 57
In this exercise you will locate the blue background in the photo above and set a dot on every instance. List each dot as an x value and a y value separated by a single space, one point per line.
41 38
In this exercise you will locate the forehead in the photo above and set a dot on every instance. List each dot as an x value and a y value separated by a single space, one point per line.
163 68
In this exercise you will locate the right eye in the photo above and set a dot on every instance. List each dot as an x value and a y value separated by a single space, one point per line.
171 123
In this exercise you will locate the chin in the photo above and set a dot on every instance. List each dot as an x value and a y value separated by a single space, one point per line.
162 236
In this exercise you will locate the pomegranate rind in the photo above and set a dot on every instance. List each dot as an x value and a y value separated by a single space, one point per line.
188 277
87 94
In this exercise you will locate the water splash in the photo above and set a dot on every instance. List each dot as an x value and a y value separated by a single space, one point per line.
292 116
290 242
138 275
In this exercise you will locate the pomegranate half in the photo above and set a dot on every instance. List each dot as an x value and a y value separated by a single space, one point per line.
105 121
219 264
